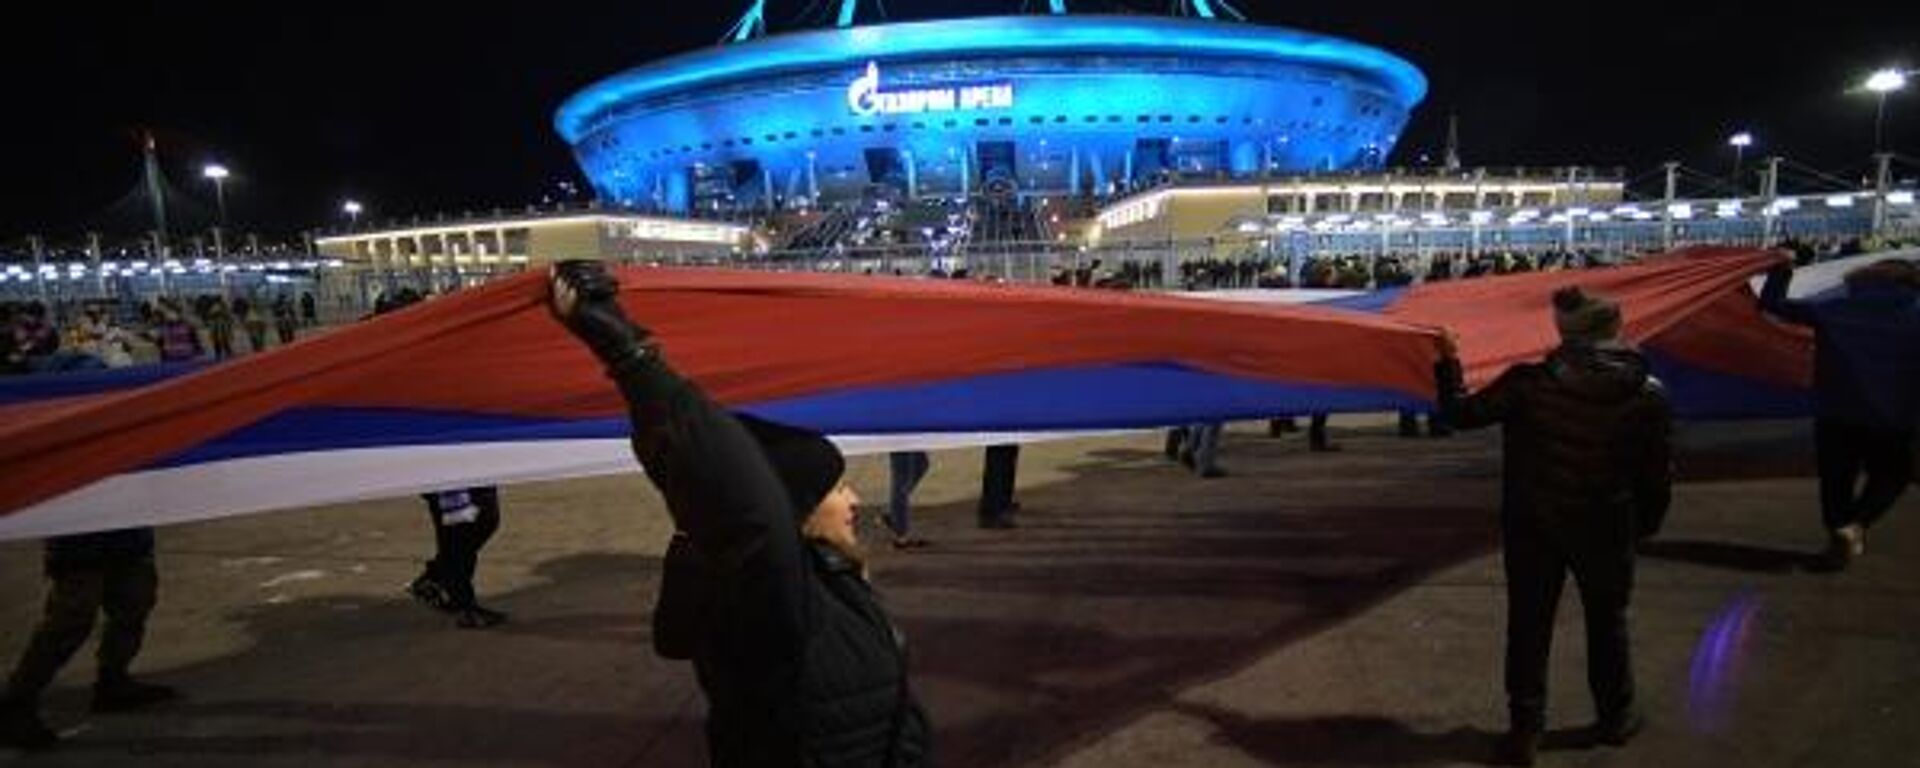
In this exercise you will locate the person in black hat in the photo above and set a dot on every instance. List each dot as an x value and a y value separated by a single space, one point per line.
799 661
1586 476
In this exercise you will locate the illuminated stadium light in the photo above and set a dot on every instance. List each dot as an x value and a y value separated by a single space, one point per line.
1785 204
1900 198
1886 81
1478 218
1600 218
1840 201
1627 210
1579 212
1680 211
1559 218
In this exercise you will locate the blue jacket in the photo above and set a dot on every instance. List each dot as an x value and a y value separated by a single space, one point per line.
1867 358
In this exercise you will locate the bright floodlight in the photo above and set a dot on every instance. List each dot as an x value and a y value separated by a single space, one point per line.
1887 81
1741 140
215 172
351 207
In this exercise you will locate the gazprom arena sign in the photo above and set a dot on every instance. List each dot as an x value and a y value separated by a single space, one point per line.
866 98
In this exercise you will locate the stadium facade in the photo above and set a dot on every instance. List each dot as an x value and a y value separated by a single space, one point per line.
1025 105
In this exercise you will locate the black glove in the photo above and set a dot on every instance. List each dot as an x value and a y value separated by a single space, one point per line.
596 318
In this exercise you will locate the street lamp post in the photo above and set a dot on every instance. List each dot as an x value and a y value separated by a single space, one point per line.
1882 83
1739 141
218 174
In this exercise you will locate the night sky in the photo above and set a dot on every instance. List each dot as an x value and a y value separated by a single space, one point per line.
417 107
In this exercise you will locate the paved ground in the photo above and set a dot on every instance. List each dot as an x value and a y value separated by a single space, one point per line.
1308 610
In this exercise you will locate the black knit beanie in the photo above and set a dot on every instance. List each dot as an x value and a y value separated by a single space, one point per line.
1584 319
810 466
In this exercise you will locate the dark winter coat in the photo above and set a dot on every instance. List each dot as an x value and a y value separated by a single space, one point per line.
799 661
1587 454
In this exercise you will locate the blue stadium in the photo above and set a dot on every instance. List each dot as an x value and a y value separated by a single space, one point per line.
1052 105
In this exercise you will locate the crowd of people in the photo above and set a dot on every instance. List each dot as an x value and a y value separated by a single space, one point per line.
71 336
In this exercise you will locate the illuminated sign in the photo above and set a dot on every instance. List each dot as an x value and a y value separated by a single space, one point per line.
866 99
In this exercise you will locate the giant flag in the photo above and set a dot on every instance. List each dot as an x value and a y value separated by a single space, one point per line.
483 386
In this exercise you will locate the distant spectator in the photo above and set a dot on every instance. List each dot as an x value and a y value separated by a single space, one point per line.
177 339
285 319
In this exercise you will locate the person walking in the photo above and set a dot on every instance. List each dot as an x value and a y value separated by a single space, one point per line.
1585 477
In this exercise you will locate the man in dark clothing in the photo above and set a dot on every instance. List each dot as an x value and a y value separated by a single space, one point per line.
463 522
219 320
309 310
996 487
797 657
1585 478
1317 439
111 573
285 322
1866 382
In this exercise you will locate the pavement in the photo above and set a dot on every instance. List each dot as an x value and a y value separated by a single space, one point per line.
1308 609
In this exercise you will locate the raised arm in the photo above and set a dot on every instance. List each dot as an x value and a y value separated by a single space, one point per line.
1487 407
715 478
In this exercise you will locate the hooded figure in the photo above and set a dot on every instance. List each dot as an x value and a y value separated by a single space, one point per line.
1866 387
799 661
1585 477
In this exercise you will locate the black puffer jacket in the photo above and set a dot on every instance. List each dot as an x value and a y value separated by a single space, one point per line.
799 661
1587 453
